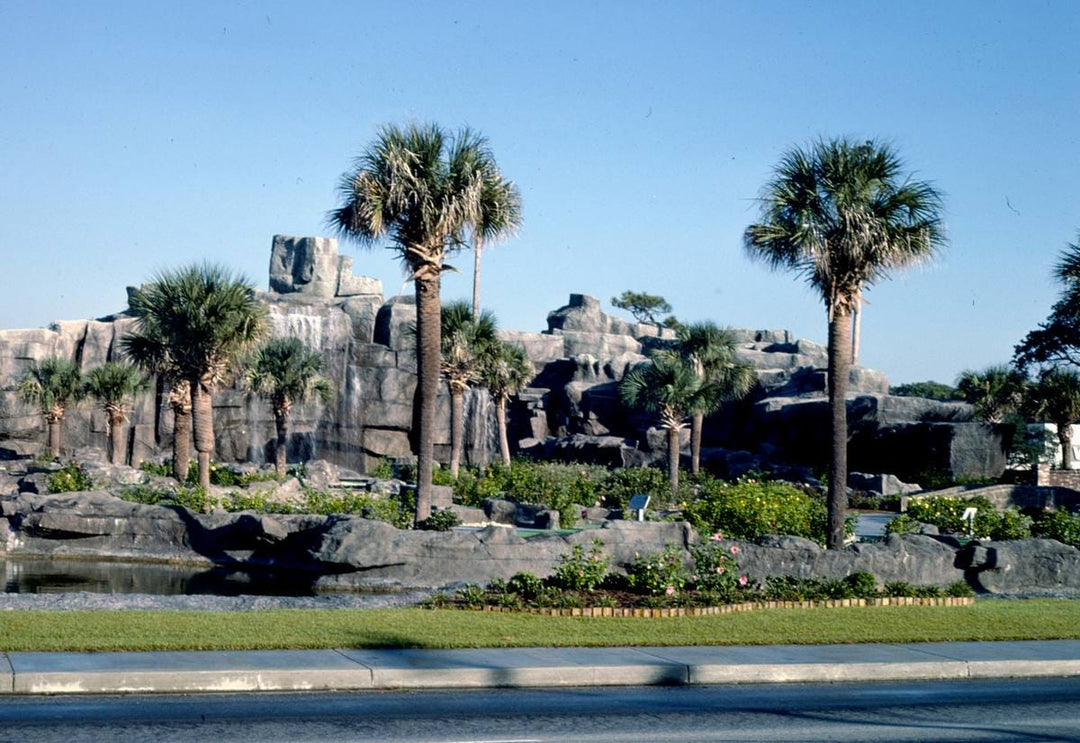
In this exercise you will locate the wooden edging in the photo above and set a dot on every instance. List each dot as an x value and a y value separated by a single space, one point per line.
700 611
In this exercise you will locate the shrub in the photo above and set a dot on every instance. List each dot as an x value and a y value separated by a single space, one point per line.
444 520
1011 525
715 566
749 508
659 574
526 585
72 477
384 470
581 570
863 584
471 595
1059 525
157 469
903 524
959 589
946 513
616 489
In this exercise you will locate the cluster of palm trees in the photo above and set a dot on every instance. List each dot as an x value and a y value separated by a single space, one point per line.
194 328
688 381
1006 394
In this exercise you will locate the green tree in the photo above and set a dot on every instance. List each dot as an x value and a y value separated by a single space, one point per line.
52 385
996 391
468 342
113 384
668 389
1055 398
423 191
1057 341
644 307
844 216
286 372
499 216
928 390
507 372
710 351
147 348
204 319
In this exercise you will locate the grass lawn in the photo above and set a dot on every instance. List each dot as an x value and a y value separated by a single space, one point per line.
419 628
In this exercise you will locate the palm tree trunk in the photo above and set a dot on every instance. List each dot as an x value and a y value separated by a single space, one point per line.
53 423
856 327
697 423
673 460
839 368
181 442
457 427
202 417
428 332
281 420
500 421
1064 431
478 247
116 437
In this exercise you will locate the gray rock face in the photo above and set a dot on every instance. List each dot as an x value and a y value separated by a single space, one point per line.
1029 566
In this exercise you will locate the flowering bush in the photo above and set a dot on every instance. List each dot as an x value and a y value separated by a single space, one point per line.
581 570
70 478
947 514
659 574
749 508
1059 525
715 566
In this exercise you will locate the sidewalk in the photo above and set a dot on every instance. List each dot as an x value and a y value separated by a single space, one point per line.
318 670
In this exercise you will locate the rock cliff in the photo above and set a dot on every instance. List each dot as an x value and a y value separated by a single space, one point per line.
570 411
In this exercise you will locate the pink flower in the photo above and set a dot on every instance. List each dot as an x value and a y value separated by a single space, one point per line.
742 580
734 550
717 537
596 558
670 591
720 570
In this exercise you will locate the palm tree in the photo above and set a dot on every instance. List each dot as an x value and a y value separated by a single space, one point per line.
285 372
710 351
1055 398
52 384
147 349
112 384
844 216
422 190
506 373
499 217
996 391
668 389
204 318
467 343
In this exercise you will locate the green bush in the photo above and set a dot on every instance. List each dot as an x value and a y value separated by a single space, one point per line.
946 513
659 574
581 570
618 486
72 477
1059 525
526 585
903 524
157 469
444 520
863 584
715 566
750 508
384 470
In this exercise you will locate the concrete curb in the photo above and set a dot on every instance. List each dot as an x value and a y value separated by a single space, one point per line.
358 670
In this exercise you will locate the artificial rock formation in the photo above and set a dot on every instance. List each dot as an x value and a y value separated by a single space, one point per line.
571 411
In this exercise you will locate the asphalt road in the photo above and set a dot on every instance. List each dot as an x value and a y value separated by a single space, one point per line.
1011 710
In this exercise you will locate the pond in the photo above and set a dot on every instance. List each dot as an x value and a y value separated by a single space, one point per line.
69 576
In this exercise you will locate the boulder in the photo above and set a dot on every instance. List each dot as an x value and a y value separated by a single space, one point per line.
1026 567
304 264
394 321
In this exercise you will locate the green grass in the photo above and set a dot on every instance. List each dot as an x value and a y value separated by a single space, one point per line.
419 628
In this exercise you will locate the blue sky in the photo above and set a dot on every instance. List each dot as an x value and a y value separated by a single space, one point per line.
140 136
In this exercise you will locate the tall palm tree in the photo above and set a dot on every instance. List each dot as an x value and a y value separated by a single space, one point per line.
668 389
112 384
506 373
1055 398
205 318
995 391
468 342
52 384
710 351
844 216
422 191
148 350
285 372
499 217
